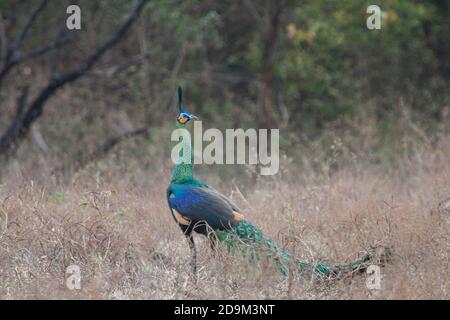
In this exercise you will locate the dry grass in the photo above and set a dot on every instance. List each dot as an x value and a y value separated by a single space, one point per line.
116 226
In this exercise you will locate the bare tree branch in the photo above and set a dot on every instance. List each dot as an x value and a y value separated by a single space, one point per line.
26 27
17 132
44 49
21 102
19 58
111 71
9 57
87 64
104 149
14 56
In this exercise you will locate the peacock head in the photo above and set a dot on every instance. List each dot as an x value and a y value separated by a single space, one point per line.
183 116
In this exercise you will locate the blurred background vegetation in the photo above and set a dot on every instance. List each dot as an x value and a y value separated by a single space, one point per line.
337 91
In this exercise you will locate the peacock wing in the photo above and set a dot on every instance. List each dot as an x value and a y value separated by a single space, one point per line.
199 203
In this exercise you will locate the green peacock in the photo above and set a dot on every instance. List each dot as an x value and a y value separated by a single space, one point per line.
196 207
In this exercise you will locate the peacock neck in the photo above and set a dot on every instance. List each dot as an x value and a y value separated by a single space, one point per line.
182 172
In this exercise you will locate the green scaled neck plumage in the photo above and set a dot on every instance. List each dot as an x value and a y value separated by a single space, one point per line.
182 172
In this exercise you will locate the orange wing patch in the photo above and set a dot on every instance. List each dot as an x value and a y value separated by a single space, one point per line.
238 216
180 219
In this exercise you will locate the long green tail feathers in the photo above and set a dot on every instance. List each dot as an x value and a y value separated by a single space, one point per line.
248 240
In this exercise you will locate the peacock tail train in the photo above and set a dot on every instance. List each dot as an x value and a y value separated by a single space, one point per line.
248 240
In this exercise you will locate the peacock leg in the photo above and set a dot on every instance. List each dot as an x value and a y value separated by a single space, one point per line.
190 239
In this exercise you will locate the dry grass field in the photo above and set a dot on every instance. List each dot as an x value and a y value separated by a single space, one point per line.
114 223
86 116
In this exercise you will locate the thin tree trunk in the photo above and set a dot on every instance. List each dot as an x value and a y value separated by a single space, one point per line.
270 37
